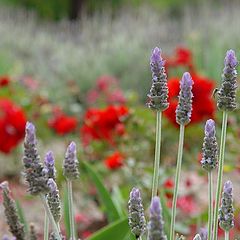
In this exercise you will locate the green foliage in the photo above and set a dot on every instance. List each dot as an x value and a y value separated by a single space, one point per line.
118 230
109 207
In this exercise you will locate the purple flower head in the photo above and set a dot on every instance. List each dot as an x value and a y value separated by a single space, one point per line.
155 208
228 188
227 91
72 148
156 59
158 94
230 59
70 165
30 135
210 128
184 108
49 159
186 83
52 185
135 193
156 224
203 232
136 217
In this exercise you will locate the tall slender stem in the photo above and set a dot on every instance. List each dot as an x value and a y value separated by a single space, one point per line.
46 226
226 235
50 216
71 214
177 177
157 154
220 174
210 206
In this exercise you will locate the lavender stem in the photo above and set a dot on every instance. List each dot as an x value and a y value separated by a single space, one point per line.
226 235
46 226
210 207
71 217
157 154
177 177
220 173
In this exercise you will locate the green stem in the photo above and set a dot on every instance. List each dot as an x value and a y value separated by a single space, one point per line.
210 207
177 177
220 174
71 214
50 217
46 226
226 235
157 154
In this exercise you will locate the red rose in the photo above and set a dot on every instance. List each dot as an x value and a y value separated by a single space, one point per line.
114 161
203 103
63 124
12 125
4 81
103 124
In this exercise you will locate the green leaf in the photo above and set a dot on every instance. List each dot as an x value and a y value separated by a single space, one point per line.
66 212
118 230
21 215
109 207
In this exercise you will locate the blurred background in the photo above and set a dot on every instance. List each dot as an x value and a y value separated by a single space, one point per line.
79 69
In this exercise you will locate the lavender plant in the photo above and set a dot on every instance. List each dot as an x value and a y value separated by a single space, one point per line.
225 214
136 218
158 97
209 163
226 103
183 117
70 171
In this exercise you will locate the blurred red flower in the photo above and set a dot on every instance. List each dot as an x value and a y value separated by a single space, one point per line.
203 103
182 57
12 125
4 81
103 124
63 124
114 161
106 90
168 186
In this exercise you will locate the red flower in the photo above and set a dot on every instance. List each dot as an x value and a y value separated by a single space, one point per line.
106 90
203 104
114 161
103 124
183 57
12 125
168 185
63 124
4 81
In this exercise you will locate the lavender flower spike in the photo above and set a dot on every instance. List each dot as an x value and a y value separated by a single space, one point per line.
184 108
203 232
49 165
13 221
70 165
226 217
158 94
227 92
210 147
53 199
156 224
136 217
34 172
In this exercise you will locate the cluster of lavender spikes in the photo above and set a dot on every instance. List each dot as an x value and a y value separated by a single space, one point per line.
41 181
158 101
